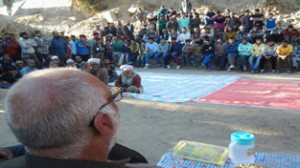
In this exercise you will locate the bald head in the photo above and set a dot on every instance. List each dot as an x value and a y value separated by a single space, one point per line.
52 108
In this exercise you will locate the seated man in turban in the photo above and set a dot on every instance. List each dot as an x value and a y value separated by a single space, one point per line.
96 70
129 81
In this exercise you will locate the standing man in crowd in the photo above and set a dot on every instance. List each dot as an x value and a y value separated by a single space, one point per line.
257 19
42 49
58 47
162 22
83 47
270 25
162 12
73 47
11 46
110 30
28 47
245 21
129 30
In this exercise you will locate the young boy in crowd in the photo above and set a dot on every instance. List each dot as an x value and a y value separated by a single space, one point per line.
125 52
208 51
220 54
197 57
270 25
187 51
140 62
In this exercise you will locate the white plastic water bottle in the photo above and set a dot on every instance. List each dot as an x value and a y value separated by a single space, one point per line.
241 148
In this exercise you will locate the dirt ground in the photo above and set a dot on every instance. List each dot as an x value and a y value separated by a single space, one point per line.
152 128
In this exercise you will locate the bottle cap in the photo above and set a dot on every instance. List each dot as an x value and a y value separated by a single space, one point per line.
243 138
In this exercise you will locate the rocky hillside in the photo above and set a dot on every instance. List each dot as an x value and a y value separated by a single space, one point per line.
77 16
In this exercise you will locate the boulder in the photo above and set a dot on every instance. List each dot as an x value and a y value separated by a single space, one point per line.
109 16
132 9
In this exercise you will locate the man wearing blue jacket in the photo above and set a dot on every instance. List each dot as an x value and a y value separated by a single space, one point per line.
58 46
174 52
232 52
83 48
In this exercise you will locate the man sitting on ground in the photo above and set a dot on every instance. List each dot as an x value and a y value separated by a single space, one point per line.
97 71
129 81
284 52
31 66
71 63
111 70
80 64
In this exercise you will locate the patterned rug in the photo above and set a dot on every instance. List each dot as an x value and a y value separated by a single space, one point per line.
283 95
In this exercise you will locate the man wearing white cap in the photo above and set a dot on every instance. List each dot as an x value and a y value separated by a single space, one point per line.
97 71
71 63
129 81
55 62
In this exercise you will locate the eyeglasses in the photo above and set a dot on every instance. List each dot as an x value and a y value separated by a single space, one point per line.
116 96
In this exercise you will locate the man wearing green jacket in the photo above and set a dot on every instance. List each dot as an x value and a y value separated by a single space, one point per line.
162 22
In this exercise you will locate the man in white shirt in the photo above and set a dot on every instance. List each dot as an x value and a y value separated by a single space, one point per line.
184 35
152 50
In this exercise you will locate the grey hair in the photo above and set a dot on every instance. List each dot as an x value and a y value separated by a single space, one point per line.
51 109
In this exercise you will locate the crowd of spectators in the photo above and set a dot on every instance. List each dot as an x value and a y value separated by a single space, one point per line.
215 40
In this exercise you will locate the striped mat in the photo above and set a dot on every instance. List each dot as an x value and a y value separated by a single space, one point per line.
178 88
265 159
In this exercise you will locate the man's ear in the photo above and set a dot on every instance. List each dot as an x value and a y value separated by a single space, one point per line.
103 124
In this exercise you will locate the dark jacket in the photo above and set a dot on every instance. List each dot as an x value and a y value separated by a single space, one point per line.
29 161
177 47
208 49
110 30
173 24
126 48
58 47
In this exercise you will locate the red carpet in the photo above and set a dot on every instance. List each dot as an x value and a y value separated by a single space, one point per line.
284 95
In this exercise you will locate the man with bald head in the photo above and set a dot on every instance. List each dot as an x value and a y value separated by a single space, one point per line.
62 127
